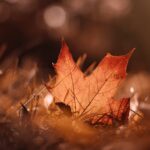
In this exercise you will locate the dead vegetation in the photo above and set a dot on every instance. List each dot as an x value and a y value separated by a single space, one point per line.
31 119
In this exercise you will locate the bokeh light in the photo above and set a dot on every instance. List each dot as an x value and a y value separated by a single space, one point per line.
114 8
55 16
48 100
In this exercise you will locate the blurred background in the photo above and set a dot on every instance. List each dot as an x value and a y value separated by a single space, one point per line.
30 40
33 29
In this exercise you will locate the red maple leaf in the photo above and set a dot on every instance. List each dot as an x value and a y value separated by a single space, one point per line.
91 97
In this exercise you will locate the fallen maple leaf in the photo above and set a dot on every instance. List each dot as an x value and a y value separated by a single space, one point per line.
91 97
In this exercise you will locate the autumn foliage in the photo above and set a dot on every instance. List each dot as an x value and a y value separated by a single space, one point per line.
91 98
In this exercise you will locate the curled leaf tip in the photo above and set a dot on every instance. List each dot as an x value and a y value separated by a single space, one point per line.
63 42
131 52
128 55
64 49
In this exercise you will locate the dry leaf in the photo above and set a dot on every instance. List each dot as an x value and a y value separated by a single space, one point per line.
91 97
